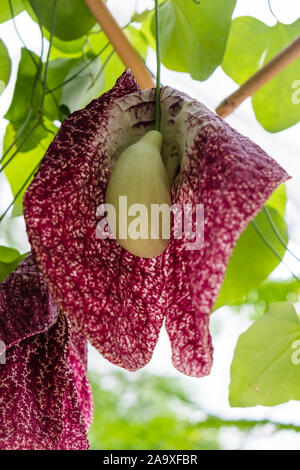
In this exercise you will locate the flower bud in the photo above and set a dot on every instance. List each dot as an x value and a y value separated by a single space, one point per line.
139 190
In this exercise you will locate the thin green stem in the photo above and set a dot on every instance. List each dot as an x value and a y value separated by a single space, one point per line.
102 68
18 135
40 65
30 111
79 71
50 90
158 68
50 131
19 192
271 10
41 31
269 245
41 56
19 35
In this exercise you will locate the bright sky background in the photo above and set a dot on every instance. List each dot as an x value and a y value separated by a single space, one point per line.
210 392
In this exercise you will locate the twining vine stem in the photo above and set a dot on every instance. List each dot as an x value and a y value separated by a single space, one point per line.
158 65
277 233
260 78
133 61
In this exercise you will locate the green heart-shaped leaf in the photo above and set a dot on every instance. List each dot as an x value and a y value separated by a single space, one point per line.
193 35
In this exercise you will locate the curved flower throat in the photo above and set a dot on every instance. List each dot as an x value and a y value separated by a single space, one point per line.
138 198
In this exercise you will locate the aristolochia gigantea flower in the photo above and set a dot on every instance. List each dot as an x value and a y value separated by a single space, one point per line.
45 397
117 299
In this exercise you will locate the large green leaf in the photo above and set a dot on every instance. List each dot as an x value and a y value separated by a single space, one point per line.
21 168
278 200
5 66
193 35
73 18
9 260
266 364
26 102
271 291
251 44
125 406
5 12
252 261
28 90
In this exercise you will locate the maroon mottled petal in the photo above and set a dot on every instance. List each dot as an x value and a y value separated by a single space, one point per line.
114 298
118 300
35 314
40 407
233 178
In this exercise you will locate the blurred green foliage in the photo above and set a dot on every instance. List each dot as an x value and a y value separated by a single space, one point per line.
145 412
269 349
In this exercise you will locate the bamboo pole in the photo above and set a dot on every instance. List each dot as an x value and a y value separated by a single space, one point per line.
120 43
259 79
